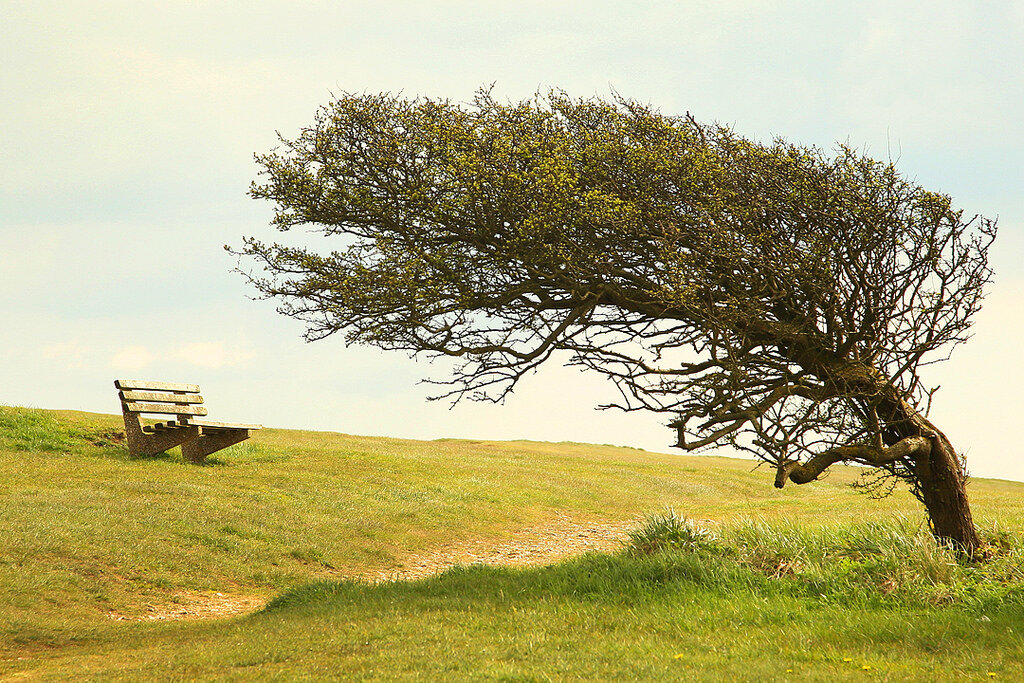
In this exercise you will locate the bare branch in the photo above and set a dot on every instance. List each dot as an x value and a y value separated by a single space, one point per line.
801 473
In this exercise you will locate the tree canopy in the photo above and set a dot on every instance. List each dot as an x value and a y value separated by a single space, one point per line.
770 296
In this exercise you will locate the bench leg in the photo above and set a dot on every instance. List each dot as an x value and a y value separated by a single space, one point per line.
143 444
196 450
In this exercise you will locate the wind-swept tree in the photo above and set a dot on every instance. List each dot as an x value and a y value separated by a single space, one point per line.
768 296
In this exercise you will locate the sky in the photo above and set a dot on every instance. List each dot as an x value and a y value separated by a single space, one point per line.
126 153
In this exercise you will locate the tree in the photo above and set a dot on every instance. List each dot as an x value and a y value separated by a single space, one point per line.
768 296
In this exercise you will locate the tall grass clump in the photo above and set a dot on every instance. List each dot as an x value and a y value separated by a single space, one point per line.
894 561
870 560
668 531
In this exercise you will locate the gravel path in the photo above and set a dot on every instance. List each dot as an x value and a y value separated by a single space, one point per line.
531 546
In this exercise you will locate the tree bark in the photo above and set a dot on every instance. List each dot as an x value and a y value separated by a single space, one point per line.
941 483
942 487
939 480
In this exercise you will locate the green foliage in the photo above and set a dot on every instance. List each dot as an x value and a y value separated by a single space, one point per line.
498 232
766 295
668 531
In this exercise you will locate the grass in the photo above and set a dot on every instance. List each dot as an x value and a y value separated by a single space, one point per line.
754 582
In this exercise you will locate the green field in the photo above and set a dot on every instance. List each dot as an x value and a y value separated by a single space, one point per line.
807 583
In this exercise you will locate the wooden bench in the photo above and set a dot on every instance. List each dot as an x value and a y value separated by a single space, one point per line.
196 436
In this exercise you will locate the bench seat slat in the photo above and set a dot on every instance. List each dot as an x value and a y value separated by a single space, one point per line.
168 426
157 386
160 398
222 425
164 408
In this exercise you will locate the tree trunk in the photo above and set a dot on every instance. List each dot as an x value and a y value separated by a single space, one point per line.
941 483
942 487
940 479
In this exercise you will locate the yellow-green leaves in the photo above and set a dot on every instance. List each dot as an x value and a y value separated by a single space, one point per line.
503 232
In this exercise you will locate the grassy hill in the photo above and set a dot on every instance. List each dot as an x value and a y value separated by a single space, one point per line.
802 579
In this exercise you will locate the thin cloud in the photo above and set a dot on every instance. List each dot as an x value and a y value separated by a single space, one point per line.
72 353
131 358
213 355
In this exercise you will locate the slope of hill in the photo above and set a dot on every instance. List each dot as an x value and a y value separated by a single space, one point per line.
93 545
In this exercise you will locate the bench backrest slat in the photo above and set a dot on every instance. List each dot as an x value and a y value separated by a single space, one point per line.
156 386
168 408
163 398
157 397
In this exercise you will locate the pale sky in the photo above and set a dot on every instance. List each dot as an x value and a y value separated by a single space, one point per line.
126 147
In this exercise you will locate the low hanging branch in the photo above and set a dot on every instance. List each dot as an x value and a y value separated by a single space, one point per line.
910 448
771 297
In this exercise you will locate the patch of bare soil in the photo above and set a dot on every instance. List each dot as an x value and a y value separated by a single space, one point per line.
188 605
557 539
531 546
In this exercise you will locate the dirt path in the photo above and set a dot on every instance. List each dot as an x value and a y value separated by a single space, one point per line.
531 546
187 605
